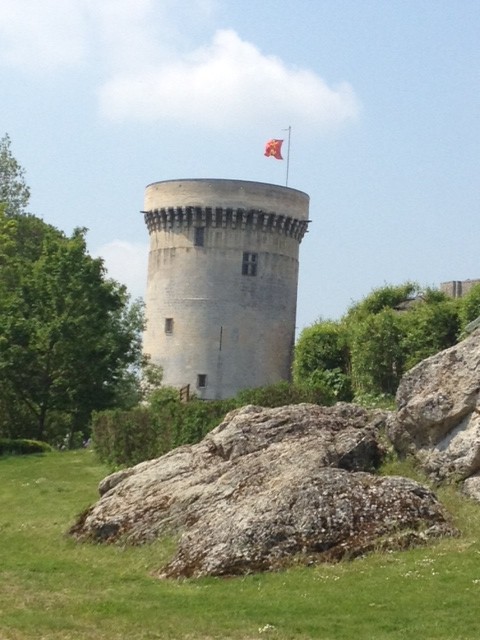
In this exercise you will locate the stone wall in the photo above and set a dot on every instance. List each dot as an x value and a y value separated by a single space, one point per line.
222 282
458 288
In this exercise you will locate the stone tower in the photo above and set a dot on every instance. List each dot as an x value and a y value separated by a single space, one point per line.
222 282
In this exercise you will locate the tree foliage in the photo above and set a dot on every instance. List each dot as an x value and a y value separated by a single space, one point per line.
429 327
164 422
377 357
321 346
382 336
14 193
322 359
387 297
470 306
67 333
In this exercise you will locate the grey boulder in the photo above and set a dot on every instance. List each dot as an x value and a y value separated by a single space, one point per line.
266 488
438 414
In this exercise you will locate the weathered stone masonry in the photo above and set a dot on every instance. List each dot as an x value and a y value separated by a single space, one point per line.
222 282
184 217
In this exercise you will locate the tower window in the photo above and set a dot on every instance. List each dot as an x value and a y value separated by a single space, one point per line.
249 264
199 239
168 325
201 380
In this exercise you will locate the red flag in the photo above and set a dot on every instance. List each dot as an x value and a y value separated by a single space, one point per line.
273 148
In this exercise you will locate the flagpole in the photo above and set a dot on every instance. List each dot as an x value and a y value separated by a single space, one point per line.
288 153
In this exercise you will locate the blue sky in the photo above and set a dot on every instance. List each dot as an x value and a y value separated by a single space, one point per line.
102 97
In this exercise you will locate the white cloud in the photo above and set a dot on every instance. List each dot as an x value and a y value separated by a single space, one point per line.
51 35
226 84
127 263
140 52
42 35
126 32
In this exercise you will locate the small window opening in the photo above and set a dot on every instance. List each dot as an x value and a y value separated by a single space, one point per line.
249 264
201 380
199 239
168 325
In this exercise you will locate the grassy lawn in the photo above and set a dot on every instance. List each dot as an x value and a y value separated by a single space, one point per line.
53 588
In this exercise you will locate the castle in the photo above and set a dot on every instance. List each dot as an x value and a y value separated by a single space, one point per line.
222 282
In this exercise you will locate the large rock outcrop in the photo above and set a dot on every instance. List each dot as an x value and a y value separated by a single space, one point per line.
265 488
438 417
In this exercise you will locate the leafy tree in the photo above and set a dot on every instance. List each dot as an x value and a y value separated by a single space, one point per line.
469 306
377 353
322 359
14 193
379 338
428 327
319 347
393 329
67 334
387 297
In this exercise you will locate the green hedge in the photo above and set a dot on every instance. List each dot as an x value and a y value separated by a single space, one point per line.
20 447
128 437
124 438
283 393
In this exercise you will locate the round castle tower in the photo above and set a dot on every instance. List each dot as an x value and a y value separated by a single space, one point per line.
222 282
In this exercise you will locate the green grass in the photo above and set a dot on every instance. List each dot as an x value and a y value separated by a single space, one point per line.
52 588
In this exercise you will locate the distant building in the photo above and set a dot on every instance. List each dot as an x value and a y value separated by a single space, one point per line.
458 288
222 282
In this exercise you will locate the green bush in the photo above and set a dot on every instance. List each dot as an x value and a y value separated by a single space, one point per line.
124 438
21 447
282 393
199 417
321 347
127 437
366 353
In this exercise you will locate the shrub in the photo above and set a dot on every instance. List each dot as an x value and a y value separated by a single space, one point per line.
22 446
199 417
128 437
282 393
124 438
321 347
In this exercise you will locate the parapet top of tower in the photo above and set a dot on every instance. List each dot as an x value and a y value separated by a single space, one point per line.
227 194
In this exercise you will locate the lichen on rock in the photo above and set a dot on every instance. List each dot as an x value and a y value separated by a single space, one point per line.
265 488
438 417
